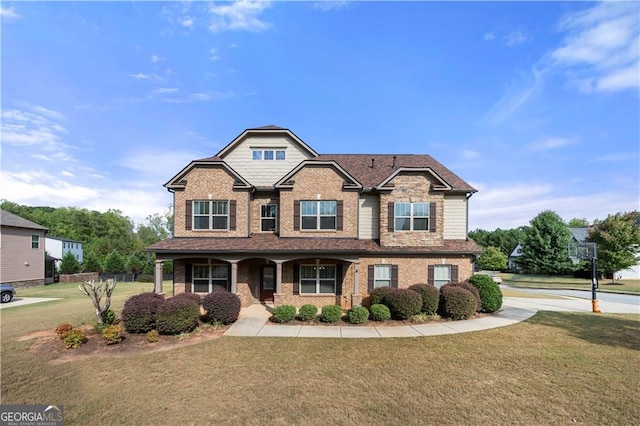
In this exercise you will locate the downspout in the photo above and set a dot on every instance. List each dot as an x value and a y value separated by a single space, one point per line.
467 221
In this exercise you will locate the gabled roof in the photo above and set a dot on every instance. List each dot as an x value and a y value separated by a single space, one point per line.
360 167
265 130
66 240
10 219
178 182
350 182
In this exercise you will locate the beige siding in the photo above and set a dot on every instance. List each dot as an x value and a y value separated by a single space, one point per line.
18 261
455 217
265 172
369 217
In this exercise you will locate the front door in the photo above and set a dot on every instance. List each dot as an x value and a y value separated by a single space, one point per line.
267 282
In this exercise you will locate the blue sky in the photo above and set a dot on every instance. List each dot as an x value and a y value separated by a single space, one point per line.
537 105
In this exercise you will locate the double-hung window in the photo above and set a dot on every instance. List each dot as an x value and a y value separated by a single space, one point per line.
268 154
206 277
382 276
441 275
268 215
317 279
211 215
35 241
315 215
411 216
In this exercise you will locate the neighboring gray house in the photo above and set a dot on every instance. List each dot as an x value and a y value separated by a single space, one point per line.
513 257
58 247
22 250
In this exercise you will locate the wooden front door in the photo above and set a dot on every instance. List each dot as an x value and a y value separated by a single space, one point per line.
267 282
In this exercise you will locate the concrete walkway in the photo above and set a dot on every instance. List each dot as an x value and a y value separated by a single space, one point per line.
254 321
21 301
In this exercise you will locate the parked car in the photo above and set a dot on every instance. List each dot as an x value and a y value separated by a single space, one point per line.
495 277
7 293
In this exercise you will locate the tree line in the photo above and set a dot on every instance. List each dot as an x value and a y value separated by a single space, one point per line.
112 243
545 244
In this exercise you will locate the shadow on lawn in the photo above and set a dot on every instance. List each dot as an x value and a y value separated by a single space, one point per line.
601 329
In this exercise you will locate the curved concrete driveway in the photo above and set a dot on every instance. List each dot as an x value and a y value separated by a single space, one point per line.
254 320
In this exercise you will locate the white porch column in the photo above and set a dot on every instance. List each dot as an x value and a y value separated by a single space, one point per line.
356 298
278 276
234 276
157 286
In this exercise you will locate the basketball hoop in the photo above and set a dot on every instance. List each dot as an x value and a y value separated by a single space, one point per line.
588 251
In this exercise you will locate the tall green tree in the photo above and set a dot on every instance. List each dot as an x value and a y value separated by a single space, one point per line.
90 263
114 263
577 222
545 245
492 259
618 240
69 264
504 239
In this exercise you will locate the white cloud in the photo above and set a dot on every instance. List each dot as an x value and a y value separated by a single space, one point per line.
213 52
551 143
139 76
327 5
469 154
67 174
601 48
512 206
514 37
489 36
186 22
156 58
513 99
8 13
241 15
618 157
164 90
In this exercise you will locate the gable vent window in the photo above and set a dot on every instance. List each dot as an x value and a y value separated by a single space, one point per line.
268 154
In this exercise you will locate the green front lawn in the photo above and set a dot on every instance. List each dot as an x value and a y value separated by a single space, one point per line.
569 283
554 368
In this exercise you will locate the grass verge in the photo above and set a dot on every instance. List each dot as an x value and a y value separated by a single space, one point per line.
569 283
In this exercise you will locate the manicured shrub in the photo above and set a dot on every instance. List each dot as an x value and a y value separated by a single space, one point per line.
456 302
308 313
403 303
144 278
177 315
490 293
112 334
221 306
473 290
358 315
379 294
74 338
284 313
380 312
63 329
430 297
139 312
109 317
195 297
331 313
153 336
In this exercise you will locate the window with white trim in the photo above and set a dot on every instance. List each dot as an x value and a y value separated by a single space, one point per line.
206 277
441 275
211 215
268 215
317 279
316 215
268 154
35 241
382 276
411 216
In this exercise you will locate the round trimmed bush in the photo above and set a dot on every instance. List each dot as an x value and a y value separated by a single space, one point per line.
284 313
380 312
403 303
195 297
490 293
221 306
456 302
358 315
177 315
473 290
379 294
430 297
308 312
139 312
331 313
109 317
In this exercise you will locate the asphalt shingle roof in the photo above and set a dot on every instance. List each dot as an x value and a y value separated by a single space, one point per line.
10 219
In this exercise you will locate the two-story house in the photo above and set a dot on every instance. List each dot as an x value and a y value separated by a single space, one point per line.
59 247
272 220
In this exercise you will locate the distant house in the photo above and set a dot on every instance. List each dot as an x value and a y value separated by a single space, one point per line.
58 247
22 251
512 264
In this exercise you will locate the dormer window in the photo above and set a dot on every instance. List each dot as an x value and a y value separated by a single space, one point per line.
268 154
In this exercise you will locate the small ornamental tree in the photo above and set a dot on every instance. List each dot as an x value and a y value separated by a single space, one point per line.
492 259
90 263
134 264
95 292
69 264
